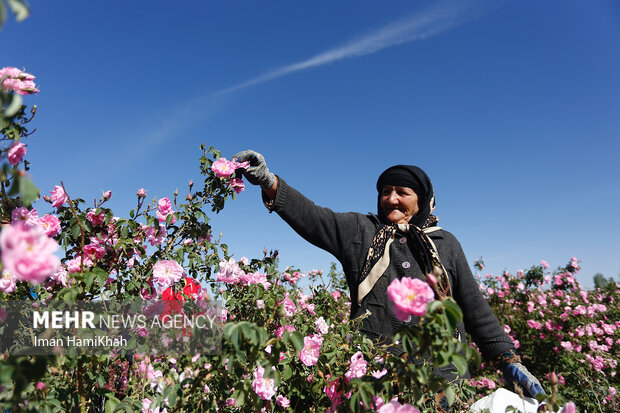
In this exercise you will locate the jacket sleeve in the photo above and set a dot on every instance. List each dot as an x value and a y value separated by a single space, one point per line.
320 226
480 321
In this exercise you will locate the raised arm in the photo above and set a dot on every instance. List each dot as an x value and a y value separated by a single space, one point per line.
331 231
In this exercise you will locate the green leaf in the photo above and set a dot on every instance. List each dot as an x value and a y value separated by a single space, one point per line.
55 403
364 394
450 395
239 397
453 312
433 306
172 396
101 275
75 230
3 14
14 106
354 403
297 340
110 405
89 277
6 373
460 363
231 332
288 373
19 8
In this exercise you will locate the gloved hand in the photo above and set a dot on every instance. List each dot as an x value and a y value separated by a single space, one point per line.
516 373
257 173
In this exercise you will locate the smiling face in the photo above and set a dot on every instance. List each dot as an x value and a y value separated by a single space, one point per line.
399 203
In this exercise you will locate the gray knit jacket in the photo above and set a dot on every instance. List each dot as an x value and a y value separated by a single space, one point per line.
347 236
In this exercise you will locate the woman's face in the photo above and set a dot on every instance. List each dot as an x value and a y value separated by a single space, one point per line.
399 203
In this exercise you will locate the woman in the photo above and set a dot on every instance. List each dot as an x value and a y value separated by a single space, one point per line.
402 240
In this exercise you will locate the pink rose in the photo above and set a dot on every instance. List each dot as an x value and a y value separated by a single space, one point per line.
569 407
280 330
431 279
483 382
237 185
50 225
94 251
230 272
8 282
155 236
60 275
410 297
30 218
289 307
534 324
107 195
16 153
17 80
96 220
282 401
39 386
76 264
164 208
309 355
239 165
321 326
544 264
141 193
357 368
263 386
59 197
378 374
223 168
331 391
166 273
27 252
395 407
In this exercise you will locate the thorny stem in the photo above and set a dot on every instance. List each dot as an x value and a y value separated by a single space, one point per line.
79 224
171 243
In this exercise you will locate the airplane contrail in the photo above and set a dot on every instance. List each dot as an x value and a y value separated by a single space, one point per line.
429 22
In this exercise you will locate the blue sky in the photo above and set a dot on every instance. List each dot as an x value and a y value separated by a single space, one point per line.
511 107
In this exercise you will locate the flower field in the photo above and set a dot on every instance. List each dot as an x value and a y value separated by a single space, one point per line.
284 347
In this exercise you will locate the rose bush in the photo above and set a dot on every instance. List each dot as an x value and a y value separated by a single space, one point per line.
568 336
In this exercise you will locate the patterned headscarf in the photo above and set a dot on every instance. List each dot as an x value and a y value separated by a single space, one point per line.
409 176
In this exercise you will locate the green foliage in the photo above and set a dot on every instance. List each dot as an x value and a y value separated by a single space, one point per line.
603 283
19 8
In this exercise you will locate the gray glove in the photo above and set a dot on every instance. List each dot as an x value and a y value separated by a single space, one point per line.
257 173
516 373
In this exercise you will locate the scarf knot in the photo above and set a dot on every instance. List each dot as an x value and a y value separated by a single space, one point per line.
378 257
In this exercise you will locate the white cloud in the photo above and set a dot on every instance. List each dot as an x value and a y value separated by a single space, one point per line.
429 22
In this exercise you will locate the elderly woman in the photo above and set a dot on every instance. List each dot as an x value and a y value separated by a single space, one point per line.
402 240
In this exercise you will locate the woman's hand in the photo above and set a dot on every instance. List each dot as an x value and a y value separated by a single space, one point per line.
258 173
516 373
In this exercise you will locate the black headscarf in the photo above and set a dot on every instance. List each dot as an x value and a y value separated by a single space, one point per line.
411 177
